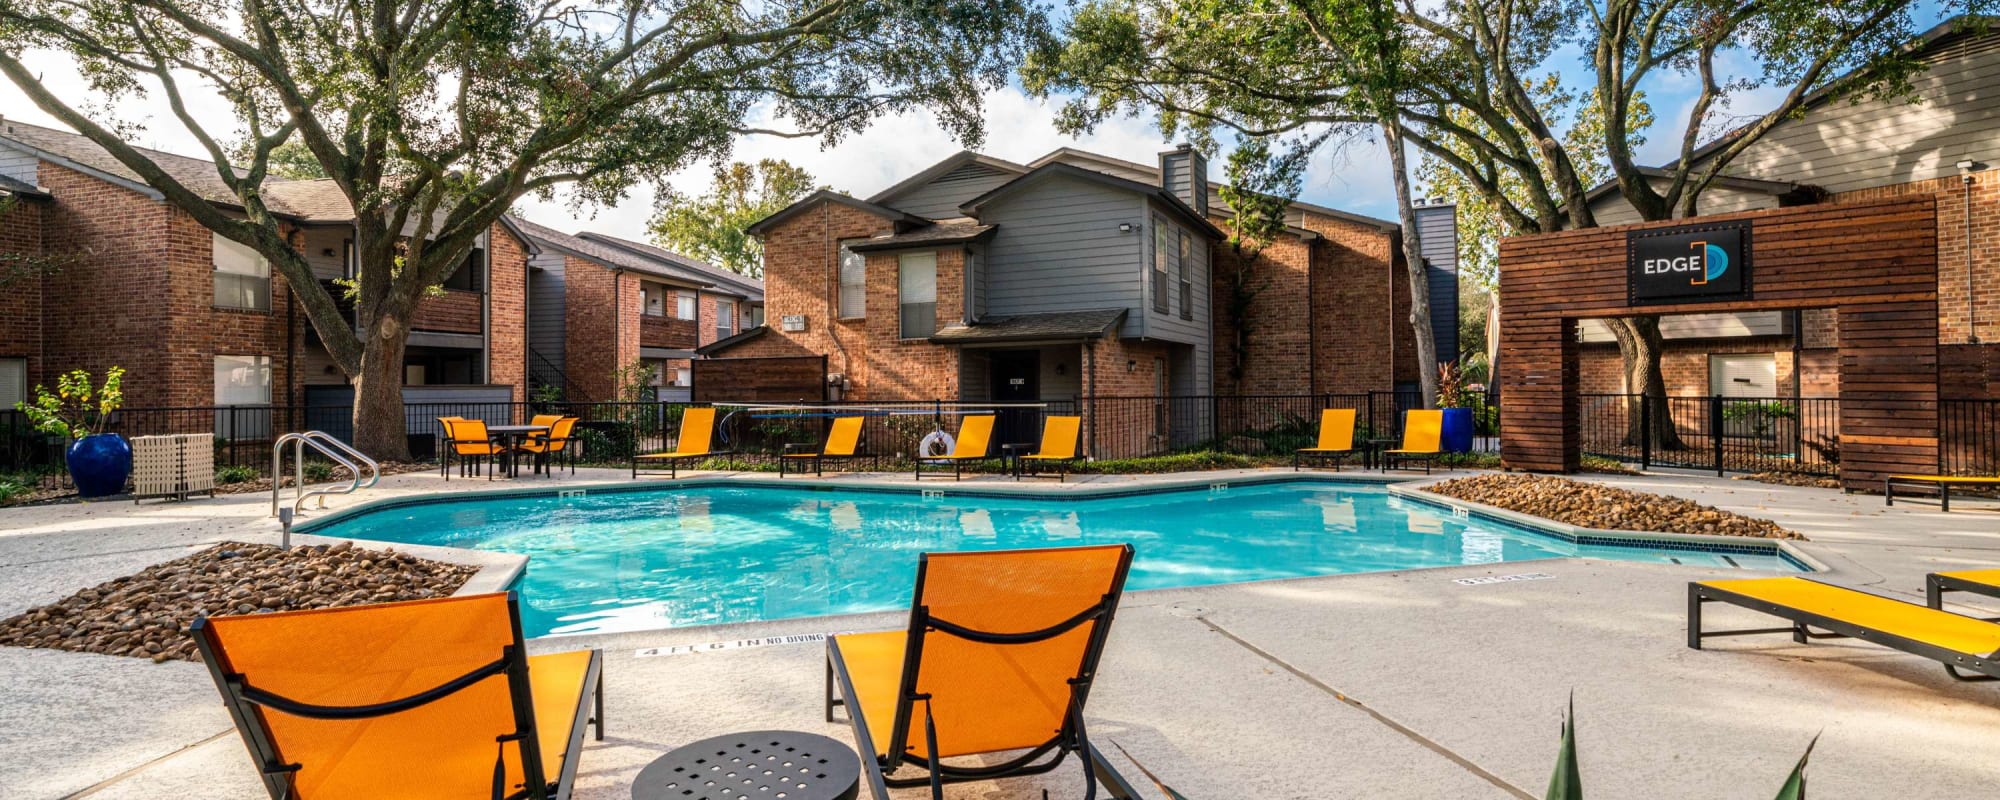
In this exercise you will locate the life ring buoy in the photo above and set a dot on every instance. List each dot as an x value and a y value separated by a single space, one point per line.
936 445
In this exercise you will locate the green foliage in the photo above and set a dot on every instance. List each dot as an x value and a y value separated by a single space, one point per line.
546 396
235 473
317 471
711 226
13 488
1606 466
634 382
1177 462
1734 410
1567 781
1469 460
77 408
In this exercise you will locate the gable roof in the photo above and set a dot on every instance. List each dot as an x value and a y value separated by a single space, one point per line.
942 168
729 282
960 230
1050 326
828 195
609 257
1064 169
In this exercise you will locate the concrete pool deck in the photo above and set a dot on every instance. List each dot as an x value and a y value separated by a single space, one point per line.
1400 684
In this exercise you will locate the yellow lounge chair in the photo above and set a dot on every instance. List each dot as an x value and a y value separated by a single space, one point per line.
554 445
1336 438
421 699
998 657
974 435
1422 428
1060 436
697 427
1973 581
843 443
1942 483
1958 642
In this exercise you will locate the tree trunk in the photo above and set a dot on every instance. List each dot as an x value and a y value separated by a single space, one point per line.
1413 259
1640 346
379 427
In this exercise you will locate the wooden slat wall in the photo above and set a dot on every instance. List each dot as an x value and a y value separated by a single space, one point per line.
1876 262
773 379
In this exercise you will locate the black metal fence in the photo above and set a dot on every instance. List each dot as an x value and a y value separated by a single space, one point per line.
1765 434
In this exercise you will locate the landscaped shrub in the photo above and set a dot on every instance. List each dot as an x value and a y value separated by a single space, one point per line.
235 473
318 471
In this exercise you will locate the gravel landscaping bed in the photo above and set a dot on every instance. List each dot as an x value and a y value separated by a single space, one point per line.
1784 478
1589 505
147 615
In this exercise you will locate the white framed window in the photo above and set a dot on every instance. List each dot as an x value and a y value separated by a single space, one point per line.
725 320
242 397
13 382
853 283
916 294
1186 259
684 306
242 276
1163 244
652 300
753 317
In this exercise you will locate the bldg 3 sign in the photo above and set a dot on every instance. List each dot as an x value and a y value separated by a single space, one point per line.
1688 264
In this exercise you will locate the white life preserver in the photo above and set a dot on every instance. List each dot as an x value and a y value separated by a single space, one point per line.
937 445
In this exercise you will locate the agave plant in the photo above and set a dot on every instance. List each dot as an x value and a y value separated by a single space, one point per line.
1567 782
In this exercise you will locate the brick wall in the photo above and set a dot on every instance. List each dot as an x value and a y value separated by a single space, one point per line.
595 301
1278 346
710 305
1955 324
1361 312
1122 368
1600 369
455 311
668 332
21 302
507 306
200 331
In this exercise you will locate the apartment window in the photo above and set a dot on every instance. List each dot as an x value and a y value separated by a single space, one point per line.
753 317
916 292
853 283
467 276
13 382
1187 276
684 306
652 300
725 320
242 397
1163 244
683 377
242 276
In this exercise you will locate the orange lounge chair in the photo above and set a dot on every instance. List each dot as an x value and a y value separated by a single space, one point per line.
1422 430
1336 438
697 428
421 699
1060 436
998 657
843 443
975 435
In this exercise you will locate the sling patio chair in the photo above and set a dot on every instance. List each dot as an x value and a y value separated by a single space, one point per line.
1336 439
468 439
1962 644
697 428
1060 436
843 443
1971 581
998 657
1422 429
553 446
975 434
1943 484
419 699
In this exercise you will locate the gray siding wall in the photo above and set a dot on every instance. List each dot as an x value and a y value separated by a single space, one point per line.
1171 326
1058 248
1437 231
941 198
317 242
545 307
19 165
1612 209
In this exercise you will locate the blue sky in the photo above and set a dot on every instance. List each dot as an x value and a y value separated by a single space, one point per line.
1019 128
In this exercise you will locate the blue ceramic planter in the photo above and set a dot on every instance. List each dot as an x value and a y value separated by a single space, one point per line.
1457 434
100 464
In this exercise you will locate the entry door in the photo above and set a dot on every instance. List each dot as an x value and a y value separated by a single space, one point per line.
1017 379
1750 375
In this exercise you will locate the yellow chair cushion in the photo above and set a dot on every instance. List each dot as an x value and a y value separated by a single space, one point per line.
1989 577
1971 479
1908 620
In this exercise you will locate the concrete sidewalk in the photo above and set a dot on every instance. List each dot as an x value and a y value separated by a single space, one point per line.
1389 684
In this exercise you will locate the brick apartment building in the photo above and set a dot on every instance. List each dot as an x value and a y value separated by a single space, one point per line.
599 303
1079 275
1837 151
197 320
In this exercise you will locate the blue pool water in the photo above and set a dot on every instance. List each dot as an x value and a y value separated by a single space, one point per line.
619 561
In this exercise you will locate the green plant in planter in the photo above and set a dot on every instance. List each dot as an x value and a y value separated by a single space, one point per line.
77 408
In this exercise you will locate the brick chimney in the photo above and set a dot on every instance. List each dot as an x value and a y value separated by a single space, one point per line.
1184 172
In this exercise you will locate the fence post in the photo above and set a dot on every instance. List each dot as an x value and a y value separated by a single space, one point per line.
1373 432
1715 432
1646 433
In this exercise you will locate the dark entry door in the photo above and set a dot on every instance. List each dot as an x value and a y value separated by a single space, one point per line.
1016 379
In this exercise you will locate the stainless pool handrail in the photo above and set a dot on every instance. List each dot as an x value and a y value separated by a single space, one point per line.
318 440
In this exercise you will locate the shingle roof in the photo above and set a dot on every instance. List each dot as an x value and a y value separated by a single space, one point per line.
197 174
614 257
311 201
946 231
727 280
1051 326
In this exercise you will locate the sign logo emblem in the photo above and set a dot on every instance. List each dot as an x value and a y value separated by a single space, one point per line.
1694 263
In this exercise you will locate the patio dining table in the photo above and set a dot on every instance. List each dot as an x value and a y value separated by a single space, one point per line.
513 436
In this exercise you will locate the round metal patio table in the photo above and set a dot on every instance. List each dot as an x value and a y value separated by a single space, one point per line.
759 764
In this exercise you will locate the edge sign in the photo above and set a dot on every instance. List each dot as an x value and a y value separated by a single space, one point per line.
1690 263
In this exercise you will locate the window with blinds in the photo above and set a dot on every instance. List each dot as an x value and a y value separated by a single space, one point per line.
1163 244
853 283
242 276
725 320
916 292
13 382
1186 261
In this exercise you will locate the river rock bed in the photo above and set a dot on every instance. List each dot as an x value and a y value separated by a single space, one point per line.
147 615
1589 505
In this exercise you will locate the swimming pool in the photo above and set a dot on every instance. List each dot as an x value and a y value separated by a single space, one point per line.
694 555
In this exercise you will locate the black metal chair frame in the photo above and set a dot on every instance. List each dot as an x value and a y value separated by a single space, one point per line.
1943 488
475 461
546 460
1072 738
1985 668
246 705
1936 585
1337 456
791 456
